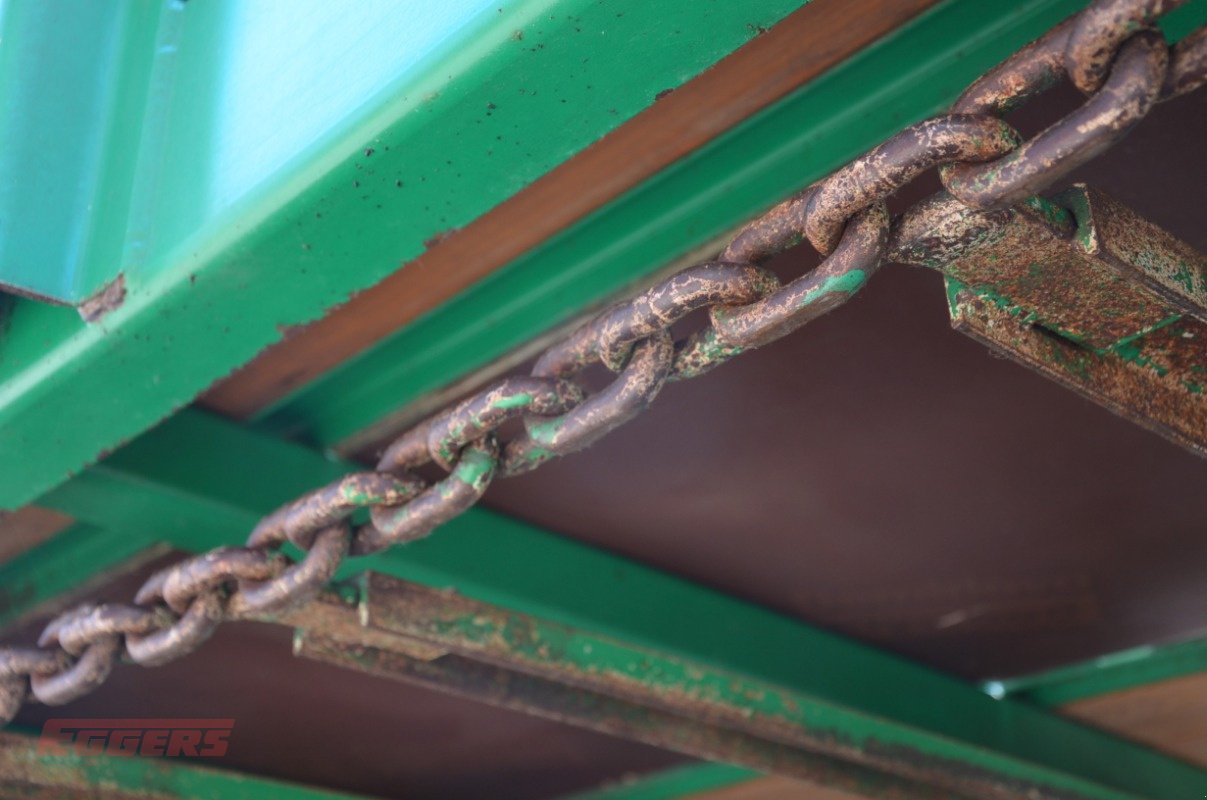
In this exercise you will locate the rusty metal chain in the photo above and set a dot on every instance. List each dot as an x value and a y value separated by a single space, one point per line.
1110 51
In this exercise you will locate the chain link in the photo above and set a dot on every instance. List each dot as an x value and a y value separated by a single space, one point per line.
1111 52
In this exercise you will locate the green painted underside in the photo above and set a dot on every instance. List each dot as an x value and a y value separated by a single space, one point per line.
220 256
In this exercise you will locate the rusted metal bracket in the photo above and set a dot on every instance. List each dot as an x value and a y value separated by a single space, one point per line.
444 641
1083 290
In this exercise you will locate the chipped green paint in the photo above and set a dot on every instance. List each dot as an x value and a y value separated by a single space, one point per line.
234 475
1127 340
1183 276
1055 215
514 401
544 433
1133 351
848 283
475 468
955 288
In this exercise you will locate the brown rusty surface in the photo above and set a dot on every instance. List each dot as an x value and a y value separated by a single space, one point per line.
1160 386
1187 65
507 658
24 776
850 265
1116 276
1136 80
630 393
704 506
1140 251
617 716
610 336
889 166
1097 35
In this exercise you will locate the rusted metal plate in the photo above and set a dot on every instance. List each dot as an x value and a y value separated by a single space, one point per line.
1083 290
1155 380
1098 276
1138 250
554 670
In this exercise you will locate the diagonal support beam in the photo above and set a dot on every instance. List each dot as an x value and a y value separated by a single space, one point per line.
689 703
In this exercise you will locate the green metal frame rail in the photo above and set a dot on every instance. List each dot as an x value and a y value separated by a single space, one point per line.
1114 672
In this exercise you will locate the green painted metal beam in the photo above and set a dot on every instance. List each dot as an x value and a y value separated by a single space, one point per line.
677 782
26 771
1114 672
238 227
490 558
909 75
45 576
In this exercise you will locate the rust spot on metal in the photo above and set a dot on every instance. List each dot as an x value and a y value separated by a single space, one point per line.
437 238
1187 65
1098 32
888 167
1156 381
1134 86
104 301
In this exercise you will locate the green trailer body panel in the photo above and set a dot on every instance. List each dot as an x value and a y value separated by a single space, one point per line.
222 254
